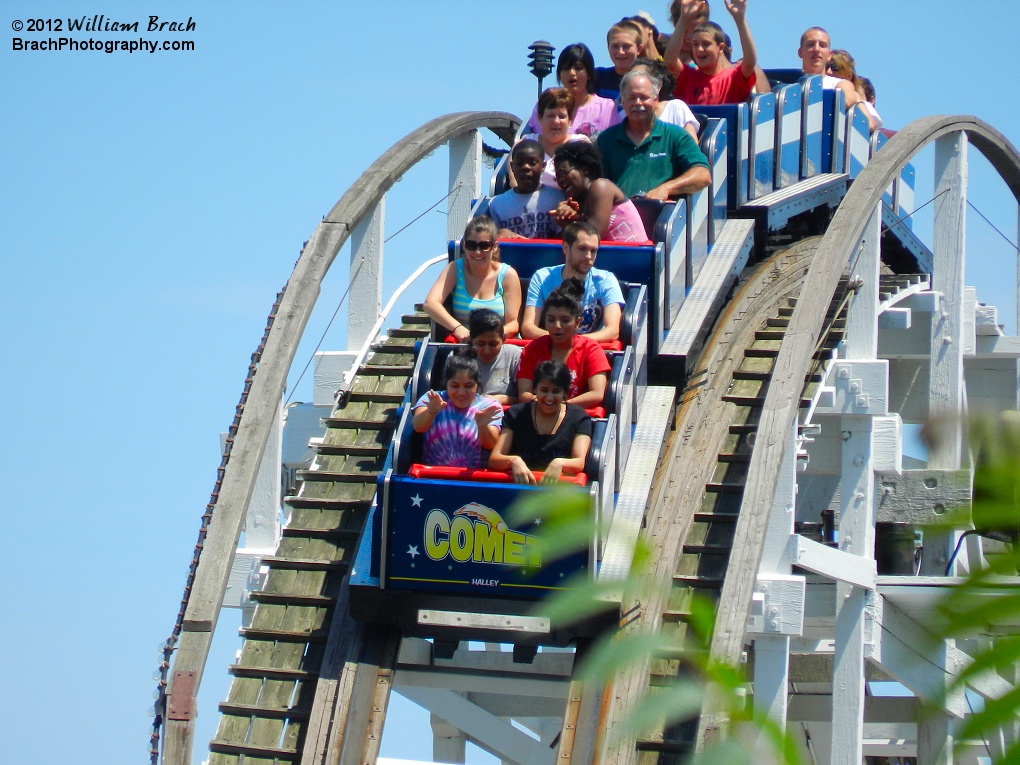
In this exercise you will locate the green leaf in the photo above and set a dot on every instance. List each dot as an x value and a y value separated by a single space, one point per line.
584 597
996 713
1007 651
670 704
612 653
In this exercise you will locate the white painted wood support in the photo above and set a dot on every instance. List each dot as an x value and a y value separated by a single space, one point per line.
946 391
365 297
261 527
449 744
465 180
935 737
490 733
862 315
772 652
856 536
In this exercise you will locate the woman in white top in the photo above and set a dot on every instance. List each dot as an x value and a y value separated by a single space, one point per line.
555 106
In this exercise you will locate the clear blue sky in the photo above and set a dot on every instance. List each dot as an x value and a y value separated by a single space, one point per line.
153 204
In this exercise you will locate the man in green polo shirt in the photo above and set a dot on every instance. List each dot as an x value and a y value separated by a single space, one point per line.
646 157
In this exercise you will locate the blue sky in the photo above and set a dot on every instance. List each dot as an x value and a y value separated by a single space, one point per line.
154 204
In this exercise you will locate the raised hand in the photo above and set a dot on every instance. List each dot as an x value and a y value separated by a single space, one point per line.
737 8
435 404
690 9
485 417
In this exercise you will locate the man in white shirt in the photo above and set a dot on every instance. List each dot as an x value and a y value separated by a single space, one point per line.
815 51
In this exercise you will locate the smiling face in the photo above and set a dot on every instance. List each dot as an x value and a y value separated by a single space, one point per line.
527 165
815 51
479 248
549 396
705 50
561 325
555 122
571 181
639 100
487 345
461 390
623 50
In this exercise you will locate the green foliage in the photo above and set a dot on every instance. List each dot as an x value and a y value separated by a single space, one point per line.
990 596
566 526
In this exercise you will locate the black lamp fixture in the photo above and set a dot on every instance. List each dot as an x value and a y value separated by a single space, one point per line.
541 60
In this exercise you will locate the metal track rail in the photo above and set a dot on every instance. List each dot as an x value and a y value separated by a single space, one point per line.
285 703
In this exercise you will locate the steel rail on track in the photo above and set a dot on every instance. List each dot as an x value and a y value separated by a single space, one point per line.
262 406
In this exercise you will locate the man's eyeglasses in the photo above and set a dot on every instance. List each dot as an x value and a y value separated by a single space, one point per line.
470 245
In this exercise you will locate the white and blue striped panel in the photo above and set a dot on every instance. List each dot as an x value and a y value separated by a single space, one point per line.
904 195
677 265
713 144
698 227
788 126
735 117
762 145
858 141
811 127
878 140
743 147
833 129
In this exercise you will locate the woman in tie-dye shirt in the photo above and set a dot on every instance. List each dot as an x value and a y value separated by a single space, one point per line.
458 423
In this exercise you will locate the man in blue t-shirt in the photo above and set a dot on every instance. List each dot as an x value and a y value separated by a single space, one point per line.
602 305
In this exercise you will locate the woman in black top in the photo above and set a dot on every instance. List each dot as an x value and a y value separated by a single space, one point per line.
546 433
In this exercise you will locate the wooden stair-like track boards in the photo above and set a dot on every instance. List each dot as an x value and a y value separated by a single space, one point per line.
276 703
698 490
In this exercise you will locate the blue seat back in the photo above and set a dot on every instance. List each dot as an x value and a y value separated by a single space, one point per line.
714 146
788 134
737 125
811 127
761 145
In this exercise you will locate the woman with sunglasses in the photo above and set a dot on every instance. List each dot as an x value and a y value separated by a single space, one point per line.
476 280
843 66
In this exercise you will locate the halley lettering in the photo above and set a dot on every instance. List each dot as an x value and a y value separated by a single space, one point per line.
155 25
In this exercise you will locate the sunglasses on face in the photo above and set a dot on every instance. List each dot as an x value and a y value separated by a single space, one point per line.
470 245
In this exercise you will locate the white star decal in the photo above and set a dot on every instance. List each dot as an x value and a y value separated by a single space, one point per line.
416 500
412 550
538 521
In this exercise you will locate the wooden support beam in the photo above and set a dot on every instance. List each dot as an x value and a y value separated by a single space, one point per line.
465 180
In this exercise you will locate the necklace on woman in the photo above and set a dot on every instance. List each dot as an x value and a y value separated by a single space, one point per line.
545 426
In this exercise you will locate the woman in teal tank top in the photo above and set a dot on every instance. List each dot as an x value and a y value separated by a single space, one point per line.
476 280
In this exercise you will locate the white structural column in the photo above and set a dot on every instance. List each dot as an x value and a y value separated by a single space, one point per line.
365 297
856 536
856 511
261 528
772 651
946 391
465 180
449 744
